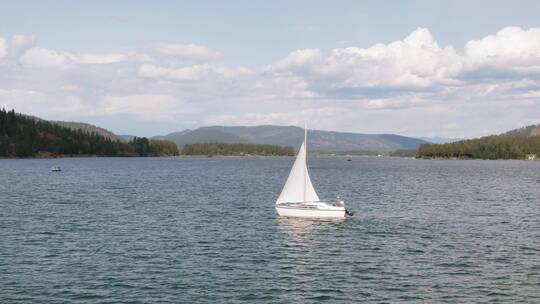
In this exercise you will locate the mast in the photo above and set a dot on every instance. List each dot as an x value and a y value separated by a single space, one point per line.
305 164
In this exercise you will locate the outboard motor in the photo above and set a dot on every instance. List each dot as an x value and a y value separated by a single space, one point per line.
348 212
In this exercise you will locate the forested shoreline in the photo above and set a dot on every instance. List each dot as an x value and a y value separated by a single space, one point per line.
489 147
24 136
223 149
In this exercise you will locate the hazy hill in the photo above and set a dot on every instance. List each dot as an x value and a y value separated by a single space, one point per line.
441 140
293 136
203 135
89 128
86 127
532 130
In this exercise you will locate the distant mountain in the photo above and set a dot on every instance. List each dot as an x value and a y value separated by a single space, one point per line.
441 140
324 141
203 135
89 128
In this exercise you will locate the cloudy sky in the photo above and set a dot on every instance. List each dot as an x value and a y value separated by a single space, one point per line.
417 68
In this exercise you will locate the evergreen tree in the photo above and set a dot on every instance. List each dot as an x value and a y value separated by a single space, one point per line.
24 136
236 149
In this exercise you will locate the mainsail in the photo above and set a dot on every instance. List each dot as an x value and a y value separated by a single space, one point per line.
298 187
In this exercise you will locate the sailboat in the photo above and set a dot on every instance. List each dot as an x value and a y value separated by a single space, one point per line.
298 197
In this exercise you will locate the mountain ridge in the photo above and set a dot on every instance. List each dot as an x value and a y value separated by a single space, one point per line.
318 140
526 131
74 125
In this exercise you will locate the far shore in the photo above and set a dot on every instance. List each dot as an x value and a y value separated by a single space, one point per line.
195 156
256 156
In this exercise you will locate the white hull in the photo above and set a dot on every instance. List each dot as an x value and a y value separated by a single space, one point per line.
311 210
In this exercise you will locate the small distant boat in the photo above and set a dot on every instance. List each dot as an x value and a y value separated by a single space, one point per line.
56 169
349 159
298 197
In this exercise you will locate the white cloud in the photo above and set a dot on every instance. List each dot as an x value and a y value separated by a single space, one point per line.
3 48
412 85
417 62
301 60
191 73
412 63
231 73
530 95
188 51
400 102
45 58
147 107
384 103
297 117
18 44
7 97
511 49
42 104
288 87
104 58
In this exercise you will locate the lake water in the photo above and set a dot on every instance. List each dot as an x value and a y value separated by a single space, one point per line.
204 230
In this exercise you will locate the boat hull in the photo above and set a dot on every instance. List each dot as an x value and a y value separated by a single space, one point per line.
304 212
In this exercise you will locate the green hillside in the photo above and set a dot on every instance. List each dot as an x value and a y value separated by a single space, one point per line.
25 136
516 144
88 128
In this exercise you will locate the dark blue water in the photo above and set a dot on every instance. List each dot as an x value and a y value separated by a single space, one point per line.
204 230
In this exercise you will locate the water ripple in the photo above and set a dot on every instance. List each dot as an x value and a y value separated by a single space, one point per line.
197 230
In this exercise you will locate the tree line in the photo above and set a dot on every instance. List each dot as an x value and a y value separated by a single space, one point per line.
489 147
24 136
211 149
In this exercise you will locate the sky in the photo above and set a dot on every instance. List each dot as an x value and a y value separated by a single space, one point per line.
416 68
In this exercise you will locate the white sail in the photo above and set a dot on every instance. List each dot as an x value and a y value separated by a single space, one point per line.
298 187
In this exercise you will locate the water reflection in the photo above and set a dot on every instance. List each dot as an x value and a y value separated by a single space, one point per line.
298 229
